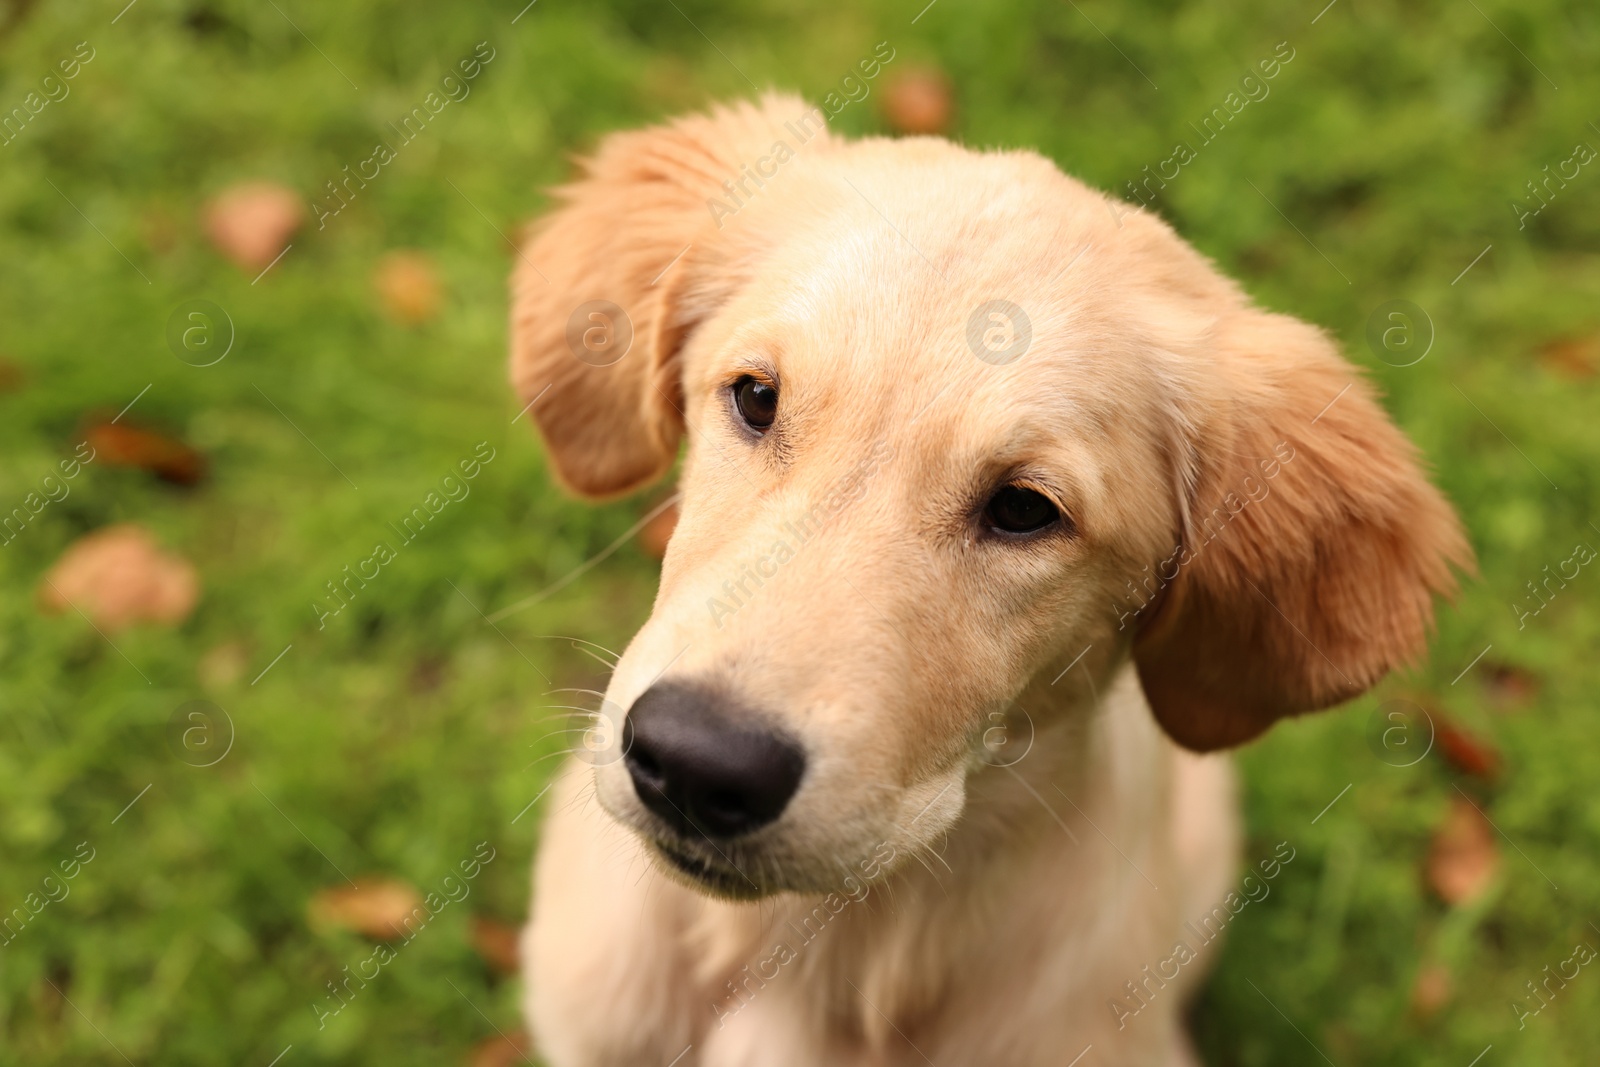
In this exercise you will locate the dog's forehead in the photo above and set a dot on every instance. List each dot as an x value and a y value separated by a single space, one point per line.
956 269
869 324
972 309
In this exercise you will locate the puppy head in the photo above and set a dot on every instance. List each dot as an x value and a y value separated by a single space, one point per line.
952 420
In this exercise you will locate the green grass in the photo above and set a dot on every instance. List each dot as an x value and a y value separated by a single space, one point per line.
408 731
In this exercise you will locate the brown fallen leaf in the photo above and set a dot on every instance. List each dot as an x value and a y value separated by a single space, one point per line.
918 100
125 444
657 532
376 907
502 1050
1464 857
427 674
49 992
118 576
408 287
1432 991
496 943
11 376
1466 751
252 222
1572 357
1508 688
159 229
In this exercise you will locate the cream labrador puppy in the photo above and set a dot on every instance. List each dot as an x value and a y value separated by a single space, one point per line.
999 505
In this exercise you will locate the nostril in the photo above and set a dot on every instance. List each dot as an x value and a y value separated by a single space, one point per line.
645 762
725 805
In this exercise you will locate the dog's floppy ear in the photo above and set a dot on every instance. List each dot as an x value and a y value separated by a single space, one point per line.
637 253
1311 549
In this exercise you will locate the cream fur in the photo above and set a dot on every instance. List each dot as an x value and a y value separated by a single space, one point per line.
1001 909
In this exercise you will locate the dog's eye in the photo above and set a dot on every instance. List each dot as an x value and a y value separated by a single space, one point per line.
757 402
1019 510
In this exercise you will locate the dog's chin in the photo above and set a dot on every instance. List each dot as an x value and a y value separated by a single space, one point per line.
714 878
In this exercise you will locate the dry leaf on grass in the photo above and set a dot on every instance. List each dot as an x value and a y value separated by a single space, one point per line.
657 532
1433 990
119 576
408 287
427 674
502 1050
1466 751
252 222
1464 857
124 444
1573 357
496 943
1509 688
375 907
47 996
918 100
11 376
160 230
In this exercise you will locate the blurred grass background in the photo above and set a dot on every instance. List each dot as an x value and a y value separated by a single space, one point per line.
408 730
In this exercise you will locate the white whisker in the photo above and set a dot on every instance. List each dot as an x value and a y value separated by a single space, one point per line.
931 872
581 641
606 663
591 692
549 755
565 730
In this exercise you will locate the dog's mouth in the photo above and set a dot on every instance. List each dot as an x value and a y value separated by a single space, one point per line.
721 879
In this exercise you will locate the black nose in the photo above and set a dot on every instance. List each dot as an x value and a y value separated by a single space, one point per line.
704 766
